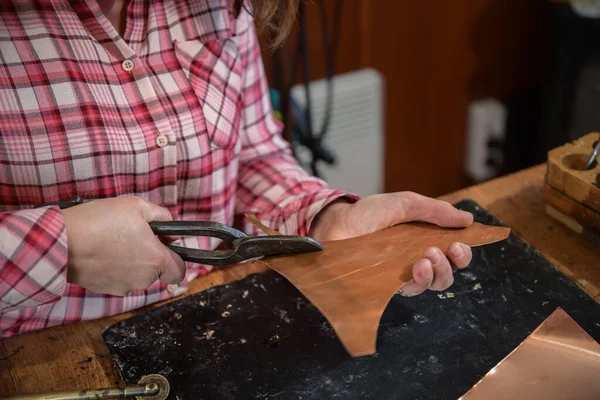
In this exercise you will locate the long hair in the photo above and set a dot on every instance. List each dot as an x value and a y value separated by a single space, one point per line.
273 18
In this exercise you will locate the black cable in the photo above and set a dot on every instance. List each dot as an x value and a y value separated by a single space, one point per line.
328 71
311 140
337 23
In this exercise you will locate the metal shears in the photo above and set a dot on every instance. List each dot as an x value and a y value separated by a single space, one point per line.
244 247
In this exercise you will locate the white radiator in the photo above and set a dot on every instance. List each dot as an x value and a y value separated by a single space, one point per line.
356 130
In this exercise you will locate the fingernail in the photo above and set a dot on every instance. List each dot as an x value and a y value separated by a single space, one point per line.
424 274
436 256
457 251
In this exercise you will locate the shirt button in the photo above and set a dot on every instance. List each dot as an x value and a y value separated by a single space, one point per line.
161 140
128 65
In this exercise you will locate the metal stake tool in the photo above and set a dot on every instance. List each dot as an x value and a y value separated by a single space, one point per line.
150 387
593 156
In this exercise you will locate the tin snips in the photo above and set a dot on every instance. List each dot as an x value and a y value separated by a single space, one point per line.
243 247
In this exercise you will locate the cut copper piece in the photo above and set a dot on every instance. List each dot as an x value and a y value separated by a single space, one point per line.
559 360
351 281
256 222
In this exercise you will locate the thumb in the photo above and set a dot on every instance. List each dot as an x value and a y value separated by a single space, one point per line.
153 212
416 207
172 270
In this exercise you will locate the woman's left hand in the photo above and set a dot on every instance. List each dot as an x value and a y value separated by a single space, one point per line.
342 220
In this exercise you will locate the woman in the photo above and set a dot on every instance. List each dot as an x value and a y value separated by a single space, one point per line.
160 110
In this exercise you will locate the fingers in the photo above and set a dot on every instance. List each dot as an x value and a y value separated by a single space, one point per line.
168 239
435 270
415 207
153 212
422 278
460 255
442 270
172 269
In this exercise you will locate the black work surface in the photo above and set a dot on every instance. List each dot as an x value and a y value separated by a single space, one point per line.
274 344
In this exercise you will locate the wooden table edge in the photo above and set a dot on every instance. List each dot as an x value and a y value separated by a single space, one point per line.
76 357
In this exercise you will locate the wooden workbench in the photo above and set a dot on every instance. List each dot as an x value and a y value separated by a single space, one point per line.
74 356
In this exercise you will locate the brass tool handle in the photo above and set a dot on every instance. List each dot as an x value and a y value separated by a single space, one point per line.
150 387
127 392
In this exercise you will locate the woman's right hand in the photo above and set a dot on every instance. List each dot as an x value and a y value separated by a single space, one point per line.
112 249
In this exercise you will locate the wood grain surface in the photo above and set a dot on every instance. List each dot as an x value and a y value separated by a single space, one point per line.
574 210
74 356
567 175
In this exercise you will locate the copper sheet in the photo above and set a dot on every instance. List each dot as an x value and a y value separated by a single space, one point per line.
559 360
351 281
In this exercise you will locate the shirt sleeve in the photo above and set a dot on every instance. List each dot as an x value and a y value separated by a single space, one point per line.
271 183
33 257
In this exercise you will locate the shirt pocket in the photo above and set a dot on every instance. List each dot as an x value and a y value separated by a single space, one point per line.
215 75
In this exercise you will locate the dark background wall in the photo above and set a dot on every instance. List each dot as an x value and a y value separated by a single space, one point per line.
436 58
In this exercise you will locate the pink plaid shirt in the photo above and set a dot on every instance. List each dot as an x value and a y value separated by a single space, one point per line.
176 111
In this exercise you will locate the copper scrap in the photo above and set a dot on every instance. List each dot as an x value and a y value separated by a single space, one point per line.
256 222
559 360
